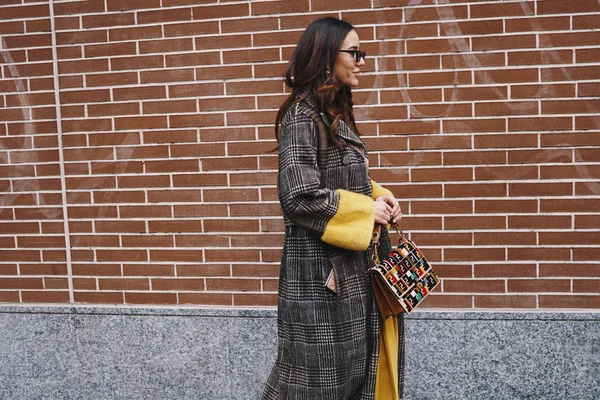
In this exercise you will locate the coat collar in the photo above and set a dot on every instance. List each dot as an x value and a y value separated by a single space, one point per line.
344 131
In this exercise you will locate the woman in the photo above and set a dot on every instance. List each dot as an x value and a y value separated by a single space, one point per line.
332 342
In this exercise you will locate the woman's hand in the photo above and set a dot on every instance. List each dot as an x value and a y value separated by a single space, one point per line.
394 213
382 212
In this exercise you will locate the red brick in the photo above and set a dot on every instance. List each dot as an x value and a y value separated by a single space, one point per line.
539 254
447 301
586 21
175 226
174 196
109 50
120 226
569 301
9 297
420 46
441 207
173 106
164 15
81 37
572 39
144 211
226 103
255 87
442 239
586 286
474 222
261 209
235 285
121 255
505 270
107 20
505 301
569 205
135 33
150 298
230 195
99 297
221 11
587 221
571 139
474 286
192 59
475 157
439 78
196 120
165 45
475 190
96 269
409 158
586 254
238 225
583 106
201 240
203 270
409 127
250 117
280 7
194 180
503 42
569 270
148 270
502 10
123 284
194 28
441 175
257 179
95 241
224 299
538 24
588 89
255 24
45 297
245 300
45 241
139 62
570 171
177 284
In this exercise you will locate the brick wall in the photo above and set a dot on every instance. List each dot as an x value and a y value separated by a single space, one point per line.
137 163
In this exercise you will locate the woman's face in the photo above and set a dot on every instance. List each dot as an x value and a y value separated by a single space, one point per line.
346 69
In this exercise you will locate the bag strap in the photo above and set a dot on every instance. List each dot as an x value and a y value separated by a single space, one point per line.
377 235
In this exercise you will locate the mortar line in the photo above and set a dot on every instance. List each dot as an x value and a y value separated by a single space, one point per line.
61 157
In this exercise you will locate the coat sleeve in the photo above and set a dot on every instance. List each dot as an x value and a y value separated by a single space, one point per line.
340 217
379 190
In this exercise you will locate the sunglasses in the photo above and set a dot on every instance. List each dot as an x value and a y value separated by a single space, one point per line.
358 54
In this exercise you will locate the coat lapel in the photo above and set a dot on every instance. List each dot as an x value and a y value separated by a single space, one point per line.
344 130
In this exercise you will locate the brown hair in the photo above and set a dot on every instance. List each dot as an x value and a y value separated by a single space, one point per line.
310 73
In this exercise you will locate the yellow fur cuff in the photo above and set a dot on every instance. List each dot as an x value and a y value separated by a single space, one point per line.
379 190
352 225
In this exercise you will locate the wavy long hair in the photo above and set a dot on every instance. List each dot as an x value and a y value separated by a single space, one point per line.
310 73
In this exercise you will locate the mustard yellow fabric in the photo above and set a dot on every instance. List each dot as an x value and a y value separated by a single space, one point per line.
386 384
379 190
352 225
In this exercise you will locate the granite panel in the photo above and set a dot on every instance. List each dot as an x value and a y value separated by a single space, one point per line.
73 352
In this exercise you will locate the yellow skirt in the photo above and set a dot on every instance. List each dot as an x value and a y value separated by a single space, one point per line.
386 384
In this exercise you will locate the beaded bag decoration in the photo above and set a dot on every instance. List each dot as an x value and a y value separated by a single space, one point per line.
402 280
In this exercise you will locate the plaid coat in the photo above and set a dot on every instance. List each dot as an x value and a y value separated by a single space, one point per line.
328 342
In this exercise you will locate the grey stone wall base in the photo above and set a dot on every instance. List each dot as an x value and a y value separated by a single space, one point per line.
72 352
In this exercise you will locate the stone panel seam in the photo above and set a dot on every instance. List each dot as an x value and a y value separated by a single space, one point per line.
63 183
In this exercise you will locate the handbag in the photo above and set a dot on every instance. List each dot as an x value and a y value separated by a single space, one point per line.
402 280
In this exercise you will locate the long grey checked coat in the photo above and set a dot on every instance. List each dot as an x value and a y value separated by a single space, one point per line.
328 342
